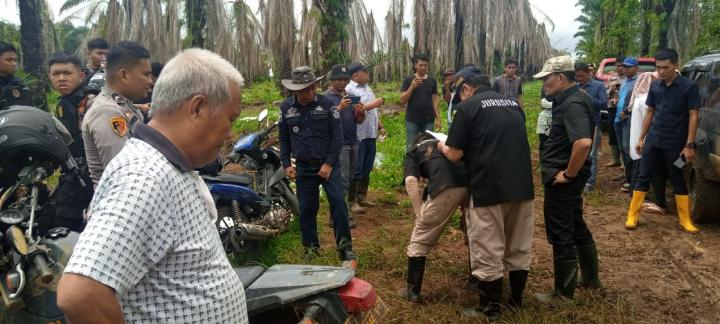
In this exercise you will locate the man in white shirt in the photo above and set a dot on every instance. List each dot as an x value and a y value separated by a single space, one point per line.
151 252
367 131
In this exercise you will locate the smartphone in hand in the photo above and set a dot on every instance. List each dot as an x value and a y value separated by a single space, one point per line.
354 100
680 162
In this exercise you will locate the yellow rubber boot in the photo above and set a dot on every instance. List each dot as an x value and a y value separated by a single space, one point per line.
683 209
635 207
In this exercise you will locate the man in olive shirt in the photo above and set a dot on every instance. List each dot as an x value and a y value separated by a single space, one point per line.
565 170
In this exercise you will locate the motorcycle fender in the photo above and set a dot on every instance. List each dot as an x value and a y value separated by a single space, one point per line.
284 284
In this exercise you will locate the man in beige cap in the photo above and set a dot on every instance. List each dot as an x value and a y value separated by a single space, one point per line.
565 170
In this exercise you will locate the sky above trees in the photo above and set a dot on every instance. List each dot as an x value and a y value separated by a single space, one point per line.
561 12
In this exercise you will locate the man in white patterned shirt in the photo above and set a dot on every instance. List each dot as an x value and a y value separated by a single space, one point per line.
150 252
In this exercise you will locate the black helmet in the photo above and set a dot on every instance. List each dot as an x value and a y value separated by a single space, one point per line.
29 135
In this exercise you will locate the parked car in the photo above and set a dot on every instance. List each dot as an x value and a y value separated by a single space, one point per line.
704 172
607 67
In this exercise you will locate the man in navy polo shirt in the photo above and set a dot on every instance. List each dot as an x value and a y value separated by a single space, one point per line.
667 137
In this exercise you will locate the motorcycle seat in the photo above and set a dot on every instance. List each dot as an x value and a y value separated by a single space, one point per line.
243 179
249 274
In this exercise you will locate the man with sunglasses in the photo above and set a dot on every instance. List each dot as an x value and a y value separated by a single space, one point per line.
565 170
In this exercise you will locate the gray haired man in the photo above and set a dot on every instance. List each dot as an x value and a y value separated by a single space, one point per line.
150 252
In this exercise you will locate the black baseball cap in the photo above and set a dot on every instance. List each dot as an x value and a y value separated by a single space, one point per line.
467 72
339 72
355 67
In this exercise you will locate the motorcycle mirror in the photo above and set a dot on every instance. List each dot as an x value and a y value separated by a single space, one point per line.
263 114
16 238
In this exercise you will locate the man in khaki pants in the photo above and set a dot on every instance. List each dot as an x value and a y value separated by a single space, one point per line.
446 191
489 135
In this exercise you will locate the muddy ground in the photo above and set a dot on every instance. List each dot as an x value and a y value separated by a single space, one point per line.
655 274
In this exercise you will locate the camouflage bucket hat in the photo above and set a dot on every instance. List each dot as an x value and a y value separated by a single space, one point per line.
556 64
302 77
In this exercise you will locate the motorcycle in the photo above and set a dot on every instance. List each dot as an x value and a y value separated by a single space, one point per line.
33 146
255 205
311 294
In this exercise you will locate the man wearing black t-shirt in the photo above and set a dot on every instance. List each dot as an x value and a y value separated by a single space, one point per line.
489 135
420 94
667 138
565 170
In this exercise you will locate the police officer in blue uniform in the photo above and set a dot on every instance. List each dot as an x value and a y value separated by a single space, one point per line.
311 132
12 90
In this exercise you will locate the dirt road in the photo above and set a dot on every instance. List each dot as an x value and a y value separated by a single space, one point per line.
655 274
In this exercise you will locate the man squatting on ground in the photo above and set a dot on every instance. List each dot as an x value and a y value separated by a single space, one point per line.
446 190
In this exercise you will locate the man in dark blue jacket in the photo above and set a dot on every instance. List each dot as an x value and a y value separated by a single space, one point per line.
311 132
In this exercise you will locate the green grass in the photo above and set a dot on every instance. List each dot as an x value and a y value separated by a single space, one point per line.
387 176
261 93
389 162
382 250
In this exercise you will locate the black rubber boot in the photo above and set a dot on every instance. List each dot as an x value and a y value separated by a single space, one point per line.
589 267
518 279
566 272
363 188
490 296
416 271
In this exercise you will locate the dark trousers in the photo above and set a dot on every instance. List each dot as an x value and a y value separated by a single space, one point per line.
71 199
564 223
657 184
366 159
612 138
542 138
622 131
308 193
654 160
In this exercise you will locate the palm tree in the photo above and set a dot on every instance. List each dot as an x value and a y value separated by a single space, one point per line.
279 34
248 33
196 16
34 51
333 23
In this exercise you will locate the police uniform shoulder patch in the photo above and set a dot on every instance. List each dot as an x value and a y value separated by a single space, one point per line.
119 125
117 98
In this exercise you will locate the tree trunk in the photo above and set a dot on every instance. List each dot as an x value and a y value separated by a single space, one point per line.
34 55
459 27
647 6
195 12
666 9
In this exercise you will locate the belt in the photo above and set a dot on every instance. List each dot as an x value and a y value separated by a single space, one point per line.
312 163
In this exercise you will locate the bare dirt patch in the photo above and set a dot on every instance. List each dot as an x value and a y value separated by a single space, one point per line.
655 274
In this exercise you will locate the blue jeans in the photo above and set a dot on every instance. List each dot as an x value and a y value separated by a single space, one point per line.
308 193
413 129
594 159
366 159
622 130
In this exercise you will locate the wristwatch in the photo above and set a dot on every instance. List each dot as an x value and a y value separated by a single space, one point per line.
691 145
567 176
